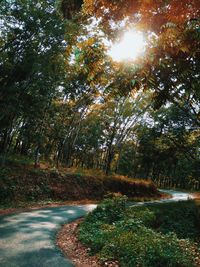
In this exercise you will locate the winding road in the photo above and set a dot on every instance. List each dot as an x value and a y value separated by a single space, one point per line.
27 239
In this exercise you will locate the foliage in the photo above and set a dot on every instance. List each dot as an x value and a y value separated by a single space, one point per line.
7 187
21 182
32 67
182 218
130 239
166 151
64 100
110 210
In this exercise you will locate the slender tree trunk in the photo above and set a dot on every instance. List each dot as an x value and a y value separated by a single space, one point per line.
109 161
37 157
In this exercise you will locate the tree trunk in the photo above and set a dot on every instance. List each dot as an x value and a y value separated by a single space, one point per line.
37 157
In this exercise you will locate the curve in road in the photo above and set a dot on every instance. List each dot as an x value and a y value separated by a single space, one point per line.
27 239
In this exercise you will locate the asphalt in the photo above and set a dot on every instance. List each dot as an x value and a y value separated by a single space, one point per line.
27 239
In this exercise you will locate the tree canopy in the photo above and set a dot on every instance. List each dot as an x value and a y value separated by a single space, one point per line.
63 98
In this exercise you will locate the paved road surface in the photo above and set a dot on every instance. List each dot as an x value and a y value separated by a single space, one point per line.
27 239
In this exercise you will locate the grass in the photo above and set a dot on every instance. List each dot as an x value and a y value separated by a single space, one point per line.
160 235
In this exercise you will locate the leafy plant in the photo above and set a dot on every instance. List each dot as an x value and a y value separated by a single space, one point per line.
127 235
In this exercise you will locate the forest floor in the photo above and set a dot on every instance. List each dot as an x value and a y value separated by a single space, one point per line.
24 187
67 240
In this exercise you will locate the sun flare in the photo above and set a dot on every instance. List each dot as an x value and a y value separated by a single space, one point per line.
129 48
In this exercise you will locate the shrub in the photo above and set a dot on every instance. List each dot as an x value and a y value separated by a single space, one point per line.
115 232
136 245
144 215
108 212
7 186
183 218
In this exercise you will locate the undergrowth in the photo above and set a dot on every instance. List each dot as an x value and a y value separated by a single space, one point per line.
140 236
21 183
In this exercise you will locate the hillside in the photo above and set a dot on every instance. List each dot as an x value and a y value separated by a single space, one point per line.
21 183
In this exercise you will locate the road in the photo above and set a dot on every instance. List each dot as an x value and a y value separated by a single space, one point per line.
27 239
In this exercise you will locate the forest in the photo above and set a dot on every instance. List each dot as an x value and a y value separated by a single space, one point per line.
64 100
100 133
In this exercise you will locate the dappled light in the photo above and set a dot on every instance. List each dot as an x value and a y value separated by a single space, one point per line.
29 235
100 111
130 47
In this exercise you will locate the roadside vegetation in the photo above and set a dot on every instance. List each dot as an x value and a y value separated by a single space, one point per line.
153 236
22 184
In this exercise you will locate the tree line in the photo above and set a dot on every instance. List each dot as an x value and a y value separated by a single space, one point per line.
62 98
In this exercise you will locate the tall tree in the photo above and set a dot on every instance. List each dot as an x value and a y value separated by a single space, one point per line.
31 66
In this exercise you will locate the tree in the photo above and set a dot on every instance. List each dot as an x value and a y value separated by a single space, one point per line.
166 150
32 66
171 65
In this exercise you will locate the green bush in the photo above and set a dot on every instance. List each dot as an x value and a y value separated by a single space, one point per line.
15 160
7 185
115 232
143 214
136 245
110 210
182 218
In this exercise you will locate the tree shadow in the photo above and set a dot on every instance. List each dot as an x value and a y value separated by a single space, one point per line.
28 238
